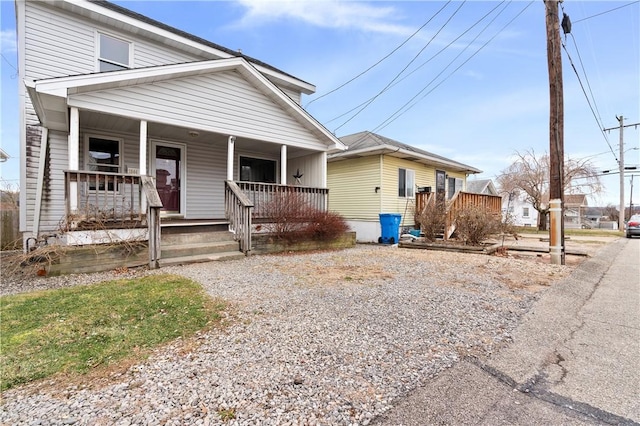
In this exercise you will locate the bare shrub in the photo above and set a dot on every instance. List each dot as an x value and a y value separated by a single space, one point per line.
432 220
474 224
291 219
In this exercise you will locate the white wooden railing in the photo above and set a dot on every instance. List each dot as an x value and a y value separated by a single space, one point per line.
238 210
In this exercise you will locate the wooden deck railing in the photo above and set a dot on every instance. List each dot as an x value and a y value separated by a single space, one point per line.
461 199
238 210
103 199
262 194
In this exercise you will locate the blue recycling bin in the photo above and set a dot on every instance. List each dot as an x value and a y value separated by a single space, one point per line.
390 225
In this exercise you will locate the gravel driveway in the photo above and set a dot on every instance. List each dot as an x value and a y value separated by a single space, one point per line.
321 338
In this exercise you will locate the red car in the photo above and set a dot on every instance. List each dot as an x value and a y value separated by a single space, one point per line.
633 226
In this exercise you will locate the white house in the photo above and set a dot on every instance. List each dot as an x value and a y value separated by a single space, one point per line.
108 95
519 211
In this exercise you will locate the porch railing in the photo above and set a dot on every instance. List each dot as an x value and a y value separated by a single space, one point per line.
96 200
262 195
238 210
461 200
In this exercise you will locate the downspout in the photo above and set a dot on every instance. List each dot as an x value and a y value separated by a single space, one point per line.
44 140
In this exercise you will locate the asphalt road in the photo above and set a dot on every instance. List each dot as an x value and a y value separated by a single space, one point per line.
575 359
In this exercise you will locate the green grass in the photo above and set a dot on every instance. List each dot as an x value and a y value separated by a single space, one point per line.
75 330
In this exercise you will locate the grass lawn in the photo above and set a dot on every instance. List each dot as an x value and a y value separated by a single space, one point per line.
75 330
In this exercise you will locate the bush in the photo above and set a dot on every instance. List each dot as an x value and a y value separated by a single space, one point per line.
291 219
432 220
474 224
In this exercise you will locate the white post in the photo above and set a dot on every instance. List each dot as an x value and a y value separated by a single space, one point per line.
142 163
555 233
230 143
74 155
283 164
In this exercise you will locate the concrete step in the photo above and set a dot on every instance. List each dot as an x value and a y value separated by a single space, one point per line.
184 260
195 249
194 235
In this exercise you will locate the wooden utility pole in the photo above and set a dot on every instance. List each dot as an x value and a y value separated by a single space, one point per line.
556 133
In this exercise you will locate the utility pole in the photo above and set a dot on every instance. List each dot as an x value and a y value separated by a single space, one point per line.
556 134
621 166
621 215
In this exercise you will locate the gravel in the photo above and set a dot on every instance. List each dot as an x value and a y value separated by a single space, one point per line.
319 338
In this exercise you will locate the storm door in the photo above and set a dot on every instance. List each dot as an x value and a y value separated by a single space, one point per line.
169 167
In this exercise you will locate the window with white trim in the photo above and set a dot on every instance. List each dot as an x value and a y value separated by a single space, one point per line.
406 183
525 212
113 53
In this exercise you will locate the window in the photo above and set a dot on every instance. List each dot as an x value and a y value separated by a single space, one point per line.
103 155
525 212
406 183
257 170
113 53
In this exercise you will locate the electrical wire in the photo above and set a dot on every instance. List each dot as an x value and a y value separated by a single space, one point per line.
399 112
382 59
432 57
404 69
588 101
607 11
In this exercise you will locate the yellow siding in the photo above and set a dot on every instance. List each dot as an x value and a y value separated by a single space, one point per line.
352 186
425 176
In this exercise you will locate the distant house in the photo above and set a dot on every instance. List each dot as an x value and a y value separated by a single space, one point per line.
519 211
481 186
575 206
377 175
111 98
3 156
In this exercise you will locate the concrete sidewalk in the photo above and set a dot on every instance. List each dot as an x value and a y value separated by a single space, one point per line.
575 358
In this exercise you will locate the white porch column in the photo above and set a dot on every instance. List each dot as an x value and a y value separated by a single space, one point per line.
283 164
324 169
230 144
74 155
142 164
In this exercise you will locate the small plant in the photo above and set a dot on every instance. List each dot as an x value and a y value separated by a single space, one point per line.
227 414
432 220
474 224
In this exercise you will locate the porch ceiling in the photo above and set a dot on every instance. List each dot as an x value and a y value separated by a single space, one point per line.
123 126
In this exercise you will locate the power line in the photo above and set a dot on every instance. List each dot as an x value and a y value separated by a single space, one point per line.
607 11
381 60
404 69
434 56
399 111
588 101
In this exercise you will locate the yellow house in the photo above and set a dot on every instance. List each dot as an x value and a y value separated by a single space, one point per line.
380 175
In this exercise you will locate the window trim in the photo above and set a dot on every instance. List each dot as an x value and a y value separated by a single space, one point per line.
99 59
526 212
409 184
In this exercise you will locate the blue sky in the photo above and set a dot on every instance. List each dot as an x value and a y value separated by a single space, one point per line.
482 94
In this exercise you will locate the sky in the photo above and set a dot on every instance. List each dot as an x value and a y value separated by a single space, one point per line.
465 80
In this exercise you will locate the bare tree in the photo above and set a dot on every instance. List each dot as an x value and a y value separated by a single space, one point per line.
528 177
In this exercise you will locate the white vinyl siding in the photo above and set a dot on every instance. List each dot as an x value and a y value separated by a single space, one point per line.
352 187
311 166
53 208
222 102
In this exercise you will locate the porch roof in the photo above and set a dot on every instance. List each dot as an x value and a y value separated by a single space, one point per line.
52 97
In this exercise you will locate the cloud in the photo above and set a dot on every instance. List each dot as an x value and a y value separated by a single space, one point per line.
328 14
8 41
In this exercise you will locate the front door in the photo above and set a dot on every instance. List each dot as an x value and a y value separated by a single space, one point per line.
440 185
168 172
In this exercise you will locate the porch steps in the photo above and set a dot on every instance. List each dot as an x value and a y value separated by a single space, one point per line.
193 242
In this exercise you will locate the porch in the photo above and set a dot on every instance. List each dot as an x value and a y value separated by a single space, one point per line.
104 207
461 199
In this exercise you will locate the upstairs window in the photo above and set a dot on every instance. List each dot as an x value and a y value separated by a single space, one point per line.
406 183
113 53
